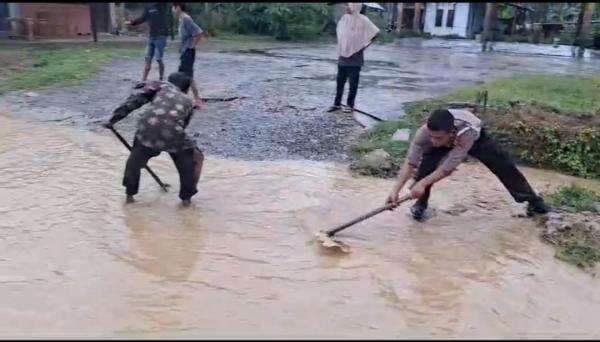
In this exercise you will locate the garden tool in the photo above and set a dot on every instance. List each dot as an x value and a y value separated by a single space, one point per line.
326 237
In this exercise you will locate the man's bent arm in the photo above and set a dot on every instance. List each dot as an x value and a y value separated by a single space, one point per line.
141 19
132 103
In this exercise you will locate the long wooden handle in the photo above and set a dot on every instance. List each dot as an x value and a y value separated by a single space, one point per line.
162 185
372 213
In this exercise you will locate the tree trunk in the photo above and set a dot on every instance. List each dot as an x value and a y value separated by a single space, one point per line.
583 26
488 22
394 21
417 18
400 16
93 21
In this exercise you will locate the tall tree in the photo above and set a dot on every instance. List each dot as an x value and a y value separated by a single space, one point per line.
491 10
584 23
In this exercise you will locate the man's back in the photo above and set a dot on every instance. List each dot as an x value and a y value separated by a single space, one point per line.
157 18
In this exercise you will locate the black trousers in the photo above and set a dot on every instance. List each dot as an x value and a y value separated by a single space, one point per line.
184 162
186 62
345 72
492 156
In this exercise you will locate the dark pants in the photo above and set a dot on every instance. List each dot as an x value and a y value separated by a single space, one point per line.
492 156
186 62
345 72
184 162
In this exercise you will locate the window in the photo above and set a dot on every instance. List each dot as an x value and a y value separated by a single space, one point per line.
439 15
450 18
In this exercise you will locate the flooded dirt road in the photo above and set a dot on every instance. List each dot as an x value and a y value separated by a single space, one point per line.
77 262
286 89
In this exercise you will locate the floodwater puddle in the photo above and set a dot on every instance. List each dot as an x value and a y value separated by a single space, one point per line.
241 262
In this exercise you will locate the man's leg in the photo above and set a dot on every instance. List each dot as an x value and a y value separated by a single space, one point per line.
429 162
499 162
138 158
161 43
342 76
148 61
188 163
354 73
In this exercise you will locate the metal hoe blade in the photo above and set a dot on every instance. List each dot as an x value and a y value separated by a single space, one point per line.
328 242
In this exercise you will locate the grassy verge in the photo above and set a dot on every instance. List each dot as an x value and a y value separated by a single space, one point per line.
576 239
548 121
50 66
564 94
381 137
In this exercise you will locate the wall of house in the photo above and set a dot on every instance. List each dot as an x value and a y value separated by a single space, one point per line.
461 18
63 20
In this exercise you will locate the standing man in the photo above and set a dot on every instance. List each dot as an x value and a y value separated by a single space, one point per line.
355 32
156 16
191 35
162 128
453 134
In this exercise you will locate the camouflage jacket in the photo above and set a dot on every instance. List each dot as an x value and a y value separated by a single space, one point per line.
162 123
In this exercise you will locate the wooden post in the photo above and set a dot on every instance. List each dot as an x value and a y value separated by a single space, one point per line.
417 18
93 22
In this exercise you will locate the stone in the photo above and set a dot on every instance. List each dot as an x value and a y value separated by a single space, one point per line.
401 135
31 94
377 159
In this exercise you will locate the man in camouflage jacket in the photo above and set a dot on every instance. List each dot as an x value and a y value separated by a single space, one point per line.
161 127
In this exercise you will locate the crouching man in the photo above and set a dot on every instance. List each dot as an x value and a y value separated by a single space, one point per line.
454 134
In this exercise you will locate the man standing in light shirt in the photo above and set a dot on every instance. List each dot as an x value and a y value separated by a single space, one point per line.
191 35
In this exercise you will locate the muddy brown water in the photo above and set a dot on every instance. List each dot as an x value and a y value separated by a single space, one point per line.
77 262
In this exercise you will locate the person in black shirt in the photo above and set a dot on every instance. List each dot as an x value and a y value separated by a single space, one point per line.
157 18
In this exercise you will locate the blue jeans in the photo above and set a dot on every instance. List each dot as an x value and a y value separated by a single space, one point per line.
158 44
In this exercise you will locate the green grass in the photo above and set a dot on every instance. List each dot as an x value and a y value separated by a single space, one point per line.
381 137
575 197
566 93
61 65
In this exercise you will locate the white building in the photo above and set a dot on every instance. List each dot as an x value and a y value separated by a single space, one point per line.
461 19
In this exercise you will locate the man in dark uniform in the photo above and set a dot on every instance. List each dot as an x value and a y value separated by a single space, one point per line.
157 17
161 127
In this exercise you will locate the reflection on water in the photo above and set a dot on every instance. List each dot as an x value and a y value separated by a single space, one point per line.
240 262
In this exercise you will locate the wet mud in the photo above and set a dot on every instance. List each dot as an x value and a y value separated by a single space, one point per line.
241 261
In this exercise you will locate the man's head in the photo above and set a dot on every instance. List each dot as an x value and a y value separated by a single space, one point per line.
441 127
178 8
180 80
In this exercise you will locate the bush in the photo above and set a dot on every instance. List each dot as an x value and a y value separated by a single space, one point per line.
284 21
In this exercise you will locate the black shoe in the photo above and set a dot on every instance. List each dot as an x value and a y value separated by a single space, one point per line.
186 202
129 199
537 206
418 211
334 108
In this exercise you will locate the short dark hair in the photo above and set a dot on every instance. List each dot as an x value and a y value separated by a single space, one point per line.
181 80
440 120
180 5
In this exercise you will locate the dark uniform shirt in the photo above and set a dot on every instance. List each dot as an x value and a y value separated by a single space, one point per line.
158 20
162 123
